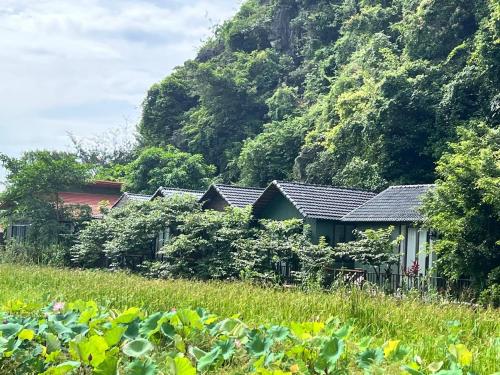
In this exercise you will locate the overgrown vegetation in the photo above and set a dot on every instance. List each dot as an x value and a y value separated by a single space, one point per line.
426 329
32 194
80 336
359 93
464 208
203 244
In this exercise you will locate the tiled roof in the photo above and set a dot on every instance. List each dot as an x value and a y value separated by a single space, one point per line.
130 197
236 196
138 197
167 192
395 204
93 200
316 201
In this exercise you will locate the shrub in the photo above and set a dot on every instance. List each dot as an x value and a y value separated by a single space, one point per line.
128 231
207 244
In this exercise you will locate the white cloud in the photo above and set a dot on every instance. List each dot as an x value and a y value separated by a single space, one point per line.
84 66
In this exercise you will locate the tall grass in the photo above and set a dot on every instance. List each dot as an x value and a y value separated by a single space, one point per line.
422 326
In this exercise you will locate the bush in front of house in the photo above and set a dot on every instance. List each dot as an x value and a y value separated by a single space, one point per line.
128 231
228 245
204 244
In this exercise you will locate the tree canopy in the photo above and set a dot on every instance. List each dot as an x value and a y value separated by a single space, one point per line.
33 183
326 91
464 208
167 167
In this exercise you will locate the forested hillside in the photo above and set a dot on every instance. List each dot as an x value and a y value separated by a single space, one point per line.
350 92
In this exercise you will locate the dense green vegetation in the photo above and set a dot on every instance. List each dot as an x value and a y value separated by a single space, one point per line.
465 207
34 181
204 244
358 93
426 329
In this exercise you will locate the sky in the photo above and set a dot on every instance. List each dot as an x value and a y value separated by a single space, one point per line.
84 66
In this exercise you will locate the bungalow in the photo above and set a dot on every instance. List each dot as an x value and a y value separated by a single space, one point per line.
399 206
321 207
219 196
93 195
130 197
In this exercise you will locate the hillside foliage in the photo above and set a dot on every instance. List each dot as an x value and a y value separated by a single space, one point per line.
332 91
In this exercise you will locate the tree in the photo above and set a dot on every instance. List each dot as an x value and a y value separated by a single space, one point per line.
32 192
373 247
168 167
165 108
113 147
358 173
270 155
464 208
284 103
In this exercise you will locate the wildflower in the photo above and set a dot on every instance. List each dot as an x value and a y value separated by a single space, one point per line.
294 368
237 343
58 307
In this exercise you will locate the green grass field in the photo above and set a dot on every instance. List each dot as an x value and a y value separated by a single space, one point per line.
422 326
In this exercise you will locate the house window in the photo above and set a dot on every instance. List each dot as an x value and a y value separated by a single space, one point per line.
162 239
19 231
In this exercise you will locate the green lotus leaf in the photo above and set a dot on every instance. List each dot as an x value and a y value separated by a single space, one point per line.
150 325
63 368
137 348
52 342
179 366
168 330
278 333
227 348
132 330
92 350
138 367
10 329
109 365
195 352
128 315
329 354
369 358
258 346
114 334
208 359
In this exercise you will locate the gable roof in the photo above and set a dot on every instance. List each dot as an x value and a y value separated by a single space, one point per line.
394 204
125 197
315 201
236 196
167 192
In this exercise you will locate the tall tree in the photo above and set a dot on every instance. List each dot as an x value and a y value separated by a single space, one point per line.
464 208
168 167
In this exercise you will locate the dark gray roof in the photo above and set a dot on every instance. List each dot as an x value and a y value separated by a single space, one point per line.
316 201
236 196
395 204
125 197
167 192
